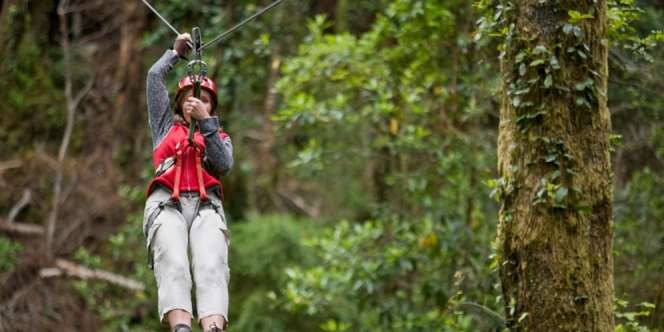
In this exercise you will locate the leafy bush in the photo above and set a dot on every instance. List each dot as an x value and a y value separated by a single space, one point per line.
262 248
9 249
384 275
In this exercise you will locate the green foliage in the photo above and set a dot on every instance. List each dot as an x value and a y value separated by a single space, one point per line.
391 120
377 97
124 254
377 102
639 236
261 249
31 93
637 108
623 32
9 249
380 275
628 321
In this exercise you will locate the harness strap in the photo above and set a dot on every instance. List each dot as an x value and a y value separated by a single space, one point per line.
179 154
178 172
199 173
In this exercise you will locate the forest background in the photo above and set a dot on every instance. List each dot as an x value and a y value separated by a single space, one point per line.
365 146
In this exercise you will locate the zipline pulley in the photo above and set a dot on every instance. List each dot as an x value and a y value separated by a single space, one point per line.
196 70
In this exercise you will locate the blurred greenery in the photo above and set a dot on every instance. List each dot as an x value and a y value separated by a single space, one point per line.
8 252
384 139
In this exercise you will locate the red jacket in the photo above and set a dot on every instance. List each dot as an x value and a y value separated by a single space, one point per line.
178 134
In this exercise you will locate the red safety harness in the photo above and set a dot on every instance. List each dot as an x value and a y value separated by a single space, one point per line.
175 169
179 156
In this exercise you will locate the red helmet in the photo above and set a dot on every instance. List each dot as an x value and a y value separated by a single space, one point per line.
206 84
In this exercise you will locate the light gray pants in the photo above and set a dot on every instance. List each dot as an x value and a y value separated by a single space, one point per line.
169 230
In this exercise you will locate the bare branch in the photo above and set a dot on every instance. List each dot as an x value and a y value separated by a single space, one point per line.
70 188
21 292
50 272
20 228
84 91
298 203
76 270
72 104
25 200
41 154
9 164
6 165
71 111
83 7
110 27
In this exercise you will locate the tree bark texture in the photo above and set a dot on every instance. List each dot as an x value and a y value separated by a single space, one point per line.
555 232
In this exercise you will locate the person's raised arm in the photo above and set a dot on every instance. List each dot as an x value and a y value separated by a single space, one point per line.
218 146
160 117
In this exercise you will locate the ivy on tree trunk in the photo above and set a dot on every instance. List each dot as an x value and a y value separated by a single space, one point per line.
555 233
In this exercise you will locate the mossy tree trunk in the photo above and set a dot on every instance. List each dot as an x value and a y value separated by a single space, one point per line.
555 233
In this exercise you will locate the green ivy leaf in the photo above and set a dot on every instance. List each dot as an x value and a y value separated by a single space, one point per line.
539 49
516 102
548 81
537 62
561 194
578 33
553 61
520 57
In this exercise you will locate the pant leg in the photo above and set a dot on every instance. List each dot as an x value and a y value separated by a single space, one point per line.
171 262
209 250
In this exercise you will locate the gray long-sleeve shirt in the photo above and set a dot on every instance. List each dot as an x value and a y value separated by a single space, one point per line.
218 151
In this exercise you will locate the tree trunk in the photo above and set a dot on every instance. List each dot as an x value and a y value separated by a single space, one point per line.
555 234
341 16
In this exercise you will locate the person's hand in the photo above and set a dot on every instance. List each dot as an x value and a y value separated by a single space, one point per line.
196 108
182 44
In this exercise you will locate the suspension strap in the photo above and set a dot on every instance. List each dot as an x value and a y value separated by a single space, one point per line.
196 70
199 173
178 172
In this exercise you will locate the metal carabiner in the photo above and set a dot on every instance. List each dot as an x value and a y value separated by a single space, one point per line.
196 70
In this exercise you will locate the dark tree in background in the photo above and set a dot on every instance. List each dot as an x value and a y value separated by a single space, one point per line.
555 232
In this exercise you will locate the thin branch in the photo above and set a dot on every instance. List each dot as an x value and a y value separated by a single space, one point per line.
23 291
9 164
72 104
70 188
84 91
6 165
25 200
41 155
110 27
298 203
496 316
68 268
20 228
84 7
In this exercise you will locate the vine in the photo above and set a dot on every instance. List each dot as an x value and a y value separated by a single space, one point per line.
540 65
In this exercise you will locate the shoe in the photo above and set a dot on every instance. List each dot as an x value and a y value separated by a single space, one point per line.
182 328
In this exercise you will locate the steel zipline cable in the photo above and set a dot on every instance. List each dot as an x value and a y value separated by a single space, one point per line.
197 68
161 17
241 24
226 33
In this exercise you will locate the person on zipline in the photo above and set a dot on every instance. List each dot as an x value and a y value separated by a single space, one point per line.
184 199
